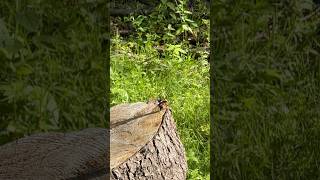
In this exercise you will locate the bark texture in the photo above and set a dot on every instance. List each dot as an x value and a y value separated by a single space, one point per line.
161 158
50 156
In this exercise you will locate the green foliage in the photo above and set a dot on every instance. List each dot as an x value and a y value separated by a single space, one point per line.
173 22
158 61
266 77
52 70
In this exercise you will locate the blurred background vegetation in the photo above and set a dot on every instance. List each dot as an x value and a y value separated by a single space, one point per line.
163 53
52 74
266 96
266 76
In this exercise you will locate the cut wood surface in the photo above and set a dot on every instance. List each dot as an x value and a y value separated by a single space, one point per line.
147 146
132 127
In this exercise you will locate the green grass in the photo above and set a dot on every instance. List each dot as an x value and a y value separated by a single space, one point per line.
139 74
266 100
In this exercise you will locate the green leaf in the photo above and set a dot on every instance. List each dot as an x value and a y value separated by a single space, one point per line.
24 70
5 53
174 17
53 109
15 127
4 34
52 105
179 31
171 6
189 20
186 27
273 74
43 125
11 126
29 20
12 47
307 5
163 1
8 45
249 102
187 12
170 27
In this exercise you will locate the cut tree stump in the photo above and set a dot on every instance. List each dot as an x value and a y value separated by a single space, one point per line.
145 143
51 156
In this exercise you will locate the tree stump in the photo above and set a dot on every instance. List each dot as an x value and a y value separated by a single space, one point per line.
145 144
51 156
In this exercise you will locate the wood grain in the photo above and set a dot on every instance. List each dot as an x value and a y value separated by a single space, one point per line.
163 157
140 123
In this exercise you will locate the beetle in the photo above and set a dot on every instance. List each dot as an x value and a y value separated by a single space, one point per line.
162 103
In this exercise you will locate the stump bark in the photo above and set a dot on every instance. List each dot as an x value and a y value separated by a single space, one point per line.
143 144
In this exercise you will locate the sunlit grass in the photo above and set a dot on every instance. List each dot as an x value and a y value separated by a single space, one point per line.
184 82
